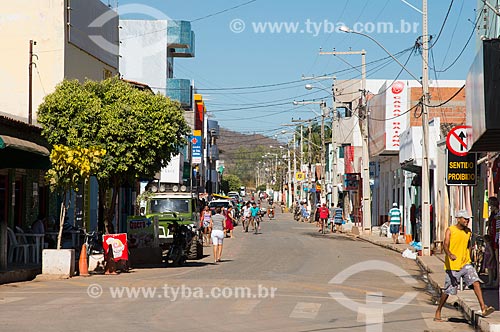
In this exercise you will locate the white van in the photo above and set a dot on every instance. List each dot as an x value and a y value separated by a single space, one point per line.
242 192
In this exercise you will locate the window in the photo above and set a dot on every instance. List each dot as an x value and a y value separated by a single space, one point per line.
160 205
106 73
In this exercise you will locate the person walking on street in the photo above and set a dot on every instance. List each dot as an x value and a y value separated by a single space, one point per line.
458 265
323 216
205 224
230 220
316 214
246 217
331 216
217 224
395 222
338 217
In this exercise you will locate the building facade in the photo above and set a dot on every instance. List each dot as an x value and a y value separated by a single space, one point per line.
48 41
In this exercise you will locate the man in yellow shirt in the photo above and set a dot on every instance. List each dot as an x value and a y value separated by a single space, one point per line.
458 264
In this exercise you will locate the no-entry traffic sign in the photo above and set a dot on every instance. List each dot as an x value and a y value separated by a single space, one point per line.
457 141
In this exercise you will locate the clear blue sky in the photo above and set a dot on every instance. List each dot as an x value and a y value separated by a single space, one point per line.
226 59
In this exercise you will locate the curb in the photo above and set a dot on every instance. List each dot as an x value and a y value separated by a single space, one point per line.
468 307
20 275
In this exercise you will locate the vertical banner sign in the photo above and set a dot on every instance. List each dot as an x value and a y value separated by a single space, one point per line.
397 105
79 205
461 167
196 152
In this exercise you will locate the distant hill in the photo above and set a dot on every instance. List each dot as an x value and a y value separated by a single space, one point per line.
241 152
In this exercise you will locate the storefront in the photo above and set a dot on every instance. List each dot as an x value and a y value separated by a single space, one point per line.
24 158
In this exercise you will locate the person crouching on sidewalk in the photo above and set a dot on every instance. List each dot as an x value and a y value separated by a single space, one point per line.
458 264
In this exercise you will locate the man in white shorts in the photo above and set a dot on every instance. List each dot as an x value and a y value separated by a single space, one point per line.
218 225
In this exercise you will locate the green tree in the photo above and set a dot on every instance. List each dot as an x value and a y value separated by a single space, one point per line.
140 131
234 182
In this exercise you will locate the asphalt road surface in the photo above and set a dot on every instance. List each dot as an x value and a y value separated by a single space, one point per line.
288 277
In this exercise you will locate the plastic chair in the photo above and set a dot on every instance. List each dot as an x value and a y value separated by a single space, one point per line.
16 247
23 240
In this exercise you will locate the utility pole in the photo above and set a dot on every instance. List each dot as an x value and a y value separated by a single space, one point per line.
30 82
335 130
309 155
289 201
324 113
309 137
323 109
294 164
425 131
365 171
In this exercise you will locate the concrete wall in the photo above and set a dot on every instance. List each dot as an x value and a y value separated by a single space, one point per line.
20 21
43 21
81 65
143 52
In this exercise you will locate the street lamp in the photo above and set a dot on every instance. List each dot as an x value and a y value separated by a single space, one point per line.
425 121
347 30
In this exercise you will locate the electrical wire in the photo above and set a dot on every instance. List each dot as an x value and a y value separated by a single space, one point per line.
449 99
222 11
465 46
397 116
442 25
301 80
453 33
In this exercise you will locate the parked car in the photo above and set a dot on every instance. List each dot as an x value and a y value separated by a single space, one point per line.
225 203
235 196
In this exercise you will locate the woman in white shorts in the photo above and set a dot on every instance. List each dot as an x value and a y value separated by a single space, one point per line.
217 224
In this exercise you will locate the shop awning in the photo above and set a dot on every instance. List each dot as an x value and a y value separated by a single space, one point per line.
20 153
20 144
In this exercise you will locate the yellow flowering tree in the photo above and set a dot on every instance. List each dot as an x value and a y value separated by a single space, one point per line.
70 167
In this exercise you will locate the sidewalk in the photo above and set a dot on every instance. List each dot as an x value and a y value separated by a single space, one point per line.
466 299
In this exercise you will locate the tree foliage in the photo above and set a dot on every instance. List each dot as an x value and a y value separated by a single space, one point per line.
70 167
140 131
234 182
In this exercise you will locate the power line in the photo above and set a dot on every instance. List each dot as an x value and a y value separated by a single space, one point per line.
397 116
465 46
442 25
449 99
453 33
222 11
297 81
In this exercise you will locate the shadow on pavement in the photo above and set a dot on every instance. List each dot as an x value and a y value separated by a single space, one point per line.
329 236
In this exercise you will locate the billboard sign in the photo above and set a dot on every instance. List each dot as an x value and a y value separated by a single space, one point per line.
196 149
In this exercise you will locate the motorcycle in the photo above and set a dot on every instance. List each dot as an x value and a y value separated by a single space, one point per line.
181 246
270 213
297 213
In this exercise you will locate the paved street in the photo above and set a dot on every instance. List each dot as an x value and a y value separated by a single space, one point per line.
287 269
